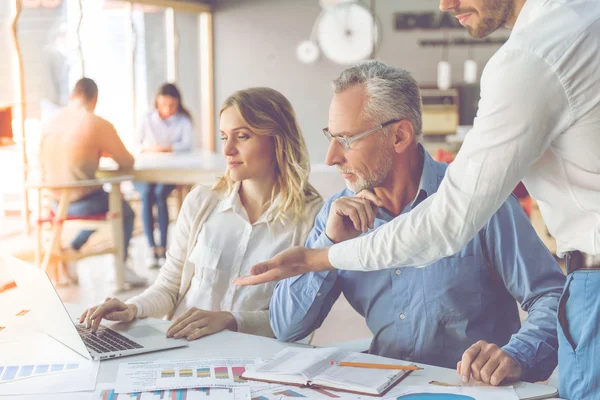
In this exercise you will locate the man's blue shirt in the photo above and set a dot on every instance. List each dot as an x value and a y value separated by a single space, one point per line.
433 314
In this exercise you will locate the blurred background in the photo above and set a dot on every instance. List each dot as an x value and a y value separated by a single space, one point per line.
211 49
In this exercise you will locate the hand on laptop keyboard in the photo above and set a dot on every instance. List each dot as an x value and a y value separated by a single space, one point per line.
111 310
106 340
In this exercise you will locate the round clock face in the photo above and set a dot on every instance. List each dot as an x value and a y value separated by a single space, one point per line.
347 33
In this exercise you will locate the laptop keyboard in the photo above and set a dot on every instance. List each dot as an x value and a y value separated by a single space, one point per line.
106 340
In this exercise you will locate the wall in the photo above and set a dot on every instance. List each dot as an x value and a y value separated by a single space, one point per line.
6 46
255 43
34 28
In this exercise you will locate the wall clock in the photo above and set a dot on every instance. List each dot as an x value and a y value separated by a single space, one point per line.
347 32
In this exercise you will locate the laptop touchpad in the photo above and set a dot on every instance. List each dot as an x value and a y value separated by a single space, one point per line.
144 332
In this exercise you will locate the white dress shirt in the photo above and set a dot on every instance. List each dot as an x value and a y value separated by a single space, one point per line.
227 247
538 121
214 243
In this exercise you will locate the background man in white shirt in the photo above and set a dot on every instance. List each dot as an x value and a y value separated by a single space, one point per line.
538 121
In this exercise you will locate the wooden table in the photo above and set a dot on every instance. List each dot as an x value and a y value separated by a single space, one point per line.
194 168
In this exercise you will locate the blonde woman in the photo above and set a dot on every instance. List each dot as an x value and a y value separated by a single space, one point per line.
261 206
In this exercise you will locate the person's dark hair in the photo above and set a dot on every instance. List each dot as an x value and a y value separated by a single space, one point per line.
86 88
168 89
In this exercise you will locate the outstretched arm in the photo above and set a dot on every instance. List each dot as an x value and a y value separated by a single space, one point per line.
514 127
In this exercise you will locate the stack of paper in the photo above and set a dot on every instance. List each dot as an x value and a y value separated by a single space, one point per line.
108 392
40 365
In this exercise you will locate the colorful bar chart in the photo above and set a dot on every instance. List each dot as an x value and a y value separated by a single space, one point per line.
26 370
221 373
41 369
108 395
203 372
10 372
186 373
237 374
167 373
111 395
180 394
288 393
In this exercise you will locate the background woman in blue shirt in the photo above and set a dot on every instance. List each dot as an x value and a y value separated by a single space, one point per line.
167 128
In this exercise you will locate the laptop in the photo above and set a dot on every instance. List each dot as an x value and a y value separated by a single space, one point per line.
119 340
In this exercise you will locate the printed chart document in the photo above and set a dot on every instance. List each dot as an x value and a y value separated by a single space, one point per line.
163 375
41 364
283 392
311 368
108 392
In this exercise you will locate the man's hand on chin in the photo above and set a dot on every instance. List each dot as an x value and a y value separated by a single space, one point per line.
288 263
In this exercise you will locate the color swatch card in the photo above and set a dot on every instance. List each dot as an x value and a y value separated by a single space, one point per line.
38 356
11 373
166 375
77 379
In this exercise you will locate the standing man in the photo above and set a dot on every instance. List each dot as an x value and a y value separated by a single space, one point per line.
538 121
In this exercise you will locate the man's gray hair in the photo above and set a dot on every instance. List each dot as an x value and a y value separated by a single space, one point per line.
392 93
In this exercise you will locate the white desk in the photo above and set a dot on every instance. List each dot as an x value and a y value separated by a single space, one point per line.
198 167
204 168
232 344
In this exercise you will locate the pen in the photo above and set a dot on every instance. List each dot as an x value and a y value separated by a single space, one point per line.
376 366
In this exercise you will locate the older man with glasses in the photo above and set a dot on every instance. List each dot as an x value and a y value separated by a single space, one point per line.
455 306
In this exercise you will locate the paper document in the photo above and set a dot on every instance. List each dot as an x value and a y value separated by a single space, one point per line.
107 392
453 393
82 379
11 372
164 375
15 325
277 392
40 364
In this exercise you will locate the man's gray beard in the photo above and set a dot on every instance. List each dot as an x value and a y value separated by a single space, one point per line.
377 177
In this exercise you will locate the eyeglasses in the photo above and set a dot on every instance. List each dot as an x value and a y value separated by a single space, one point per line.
347 141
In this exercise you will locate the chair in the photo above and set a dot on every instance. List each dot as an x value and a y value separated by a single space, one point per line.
6 132
54 258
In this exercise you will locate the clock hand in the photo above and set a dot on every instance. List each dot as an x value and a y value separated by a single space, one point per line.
347 31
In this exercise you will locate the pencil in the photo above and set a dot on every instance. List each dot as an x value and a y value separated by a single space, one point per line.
438 383
376 366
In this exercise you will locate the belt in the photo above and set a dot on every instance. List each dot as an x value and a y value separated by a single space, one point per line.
575 261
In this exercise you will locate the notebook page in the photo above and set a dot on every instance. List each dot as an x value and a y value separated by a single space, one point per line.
359 379
307 363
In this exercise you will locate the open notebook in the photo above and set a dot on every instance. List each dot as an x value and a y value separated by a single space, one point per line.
312 368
